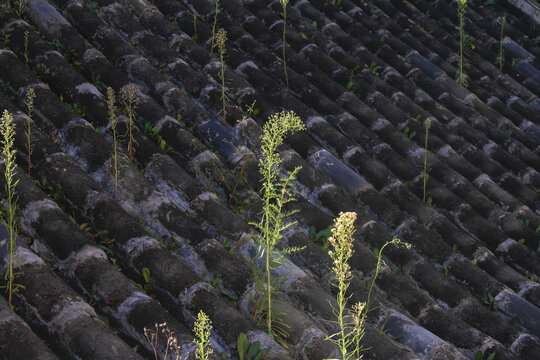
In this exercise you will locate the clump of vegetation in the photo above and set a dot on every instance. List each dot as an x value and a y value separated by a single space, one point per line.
7 130
275 193
202 329
461 75
284 6
221 39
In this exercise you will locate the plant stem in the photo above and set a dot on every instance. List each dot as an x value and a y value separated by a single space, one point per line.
112 116
284 5
396 241
30 96
130 102
216 5
7 129
461 5
221 39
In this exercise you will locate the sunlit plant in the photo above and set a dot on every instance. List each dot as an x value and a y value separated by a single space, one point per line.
351 322
7 130
202 329
276 193
351 332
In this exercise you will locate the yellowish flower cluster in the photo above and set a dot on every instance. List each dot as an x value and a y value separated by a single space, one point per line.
342 242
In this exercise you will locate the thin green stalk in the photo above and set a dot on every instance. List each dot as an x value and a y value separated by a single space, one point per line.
112 117
7 129
462 9
284 6
221 39
30 97
395 241
216 11
501 48
130 103
195 37
425 178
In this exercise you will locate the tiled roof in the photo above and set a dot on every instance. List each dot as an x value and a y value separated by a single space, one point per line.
363 76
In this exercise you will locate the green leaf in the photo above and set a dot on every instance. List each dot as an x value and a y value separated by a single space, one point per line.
146 274
261 354
311 233
254 350
242 345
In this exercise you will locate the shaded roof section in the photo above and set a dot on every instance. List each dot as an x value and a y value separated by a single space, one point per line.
364 76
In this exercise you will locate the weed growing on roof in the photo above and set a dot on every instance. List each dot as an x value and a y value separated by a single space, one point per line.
275 193
320 237
501 48
114 123
30 97
195 37
461 75
350 84
153 133
351 332
170 346
247 351
396 242
202 329
18 7
6 39
216 12
220 40
426 169
130 103
7 130
284 43
480 356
